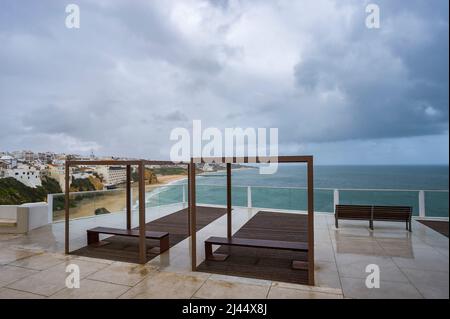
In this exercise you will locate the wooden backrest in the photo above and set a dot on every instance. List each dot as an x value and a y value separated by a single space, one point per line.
392 212
353 211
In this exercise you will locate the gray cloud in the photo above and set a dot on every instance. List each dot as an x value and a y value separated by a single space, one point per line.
134 71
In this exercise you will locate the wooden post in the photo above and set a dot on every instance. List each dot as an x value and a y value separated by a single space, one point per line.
66 207
193 217
128 196
310 165
189 198
142 248
229 203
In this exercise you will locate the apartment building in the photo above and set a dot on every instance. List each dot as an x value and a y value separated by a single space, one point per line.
112 175
26 174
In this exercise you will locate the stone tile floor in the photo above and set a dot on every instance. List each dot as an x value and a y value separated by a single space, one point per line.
412 265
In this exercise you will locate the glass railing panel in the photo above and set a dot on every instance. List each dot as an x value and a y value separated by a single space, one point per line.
217 195
323 200
164 195
279 198
108 202
380 197
436 203
88 204
291 198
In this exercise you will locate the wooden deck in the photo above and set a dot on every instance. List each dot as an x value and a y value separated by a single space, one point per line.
176 224
260 263
439 226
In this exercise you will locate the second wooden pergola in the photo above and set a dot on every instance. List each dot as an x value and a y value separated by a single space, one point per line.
229 161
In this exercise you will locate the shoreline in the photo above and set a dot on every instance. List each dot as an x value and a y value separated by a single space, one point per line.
116 200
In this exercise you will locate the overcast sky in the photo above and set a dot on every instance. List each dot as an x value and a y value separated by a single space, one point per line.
137 69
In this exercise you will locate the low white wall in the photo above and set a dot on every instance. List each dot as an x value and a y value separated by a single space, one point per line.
36 215
8 212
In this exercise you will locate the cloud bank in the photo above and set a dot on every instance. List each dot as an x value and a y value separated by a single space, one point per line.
136 70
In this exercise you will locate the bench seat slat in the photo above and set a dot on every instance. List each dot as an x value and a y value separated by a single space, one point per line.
127 232
258 243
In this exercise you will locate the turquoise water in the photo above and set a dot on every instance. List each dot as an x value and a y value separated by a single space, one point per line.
279 190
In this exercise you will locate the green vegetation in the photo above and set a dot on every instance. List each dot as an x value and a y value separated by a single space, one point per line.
170 171
82 185
13 192
51 185
150 176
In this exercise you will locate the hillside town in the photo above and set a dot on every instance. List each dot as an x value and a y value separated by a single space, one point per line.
30 168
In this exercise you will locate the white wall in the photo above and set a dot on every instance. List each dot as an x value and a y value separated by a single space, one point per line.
36 215
8 211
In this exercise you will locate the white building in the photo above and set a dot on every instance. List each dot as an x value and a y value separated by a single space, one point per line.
10 161
82 175
27 174
57 172
208 168
112 175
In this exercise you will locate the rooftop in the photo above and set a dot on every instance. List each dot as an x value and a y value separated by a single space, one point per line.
412 265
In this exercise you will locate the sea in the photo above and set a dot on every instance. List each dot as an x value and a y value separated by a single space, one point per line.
286 189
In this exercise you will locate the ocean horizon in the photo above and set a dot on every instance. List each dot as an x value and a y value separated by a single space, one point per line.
357 184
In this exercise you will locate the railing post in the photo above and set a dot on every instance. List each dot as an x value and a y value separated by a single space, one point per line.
50 208
249 196
184 194
422 204
335 199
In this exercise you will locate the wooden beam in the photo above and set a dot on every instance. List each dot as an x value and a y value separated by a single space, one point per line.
142 248
229 203
66 208
273 159
193 218
121 162
310 166
128 194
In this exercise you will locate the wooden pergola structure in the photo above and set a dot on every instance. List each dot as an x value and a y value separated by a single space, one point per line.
141 189
234 160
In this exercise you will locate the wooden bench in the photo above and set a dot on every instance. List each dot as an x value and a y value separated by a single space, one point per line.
255 243
163 237
393 214
374 213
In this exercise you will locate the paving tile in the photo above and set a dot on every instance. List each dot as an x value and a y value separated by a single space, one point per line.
431 284
358 246
9 255
241 280
96 260
51 280
354 266
165 285
92 289
286 293
9 274
123 273
328 290
356 288
40 261
327 275
323 252
424 259
6 293
221 289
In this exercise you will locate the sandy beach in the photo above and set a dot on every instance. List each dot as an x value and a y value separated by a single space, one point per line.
167 179
114 200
